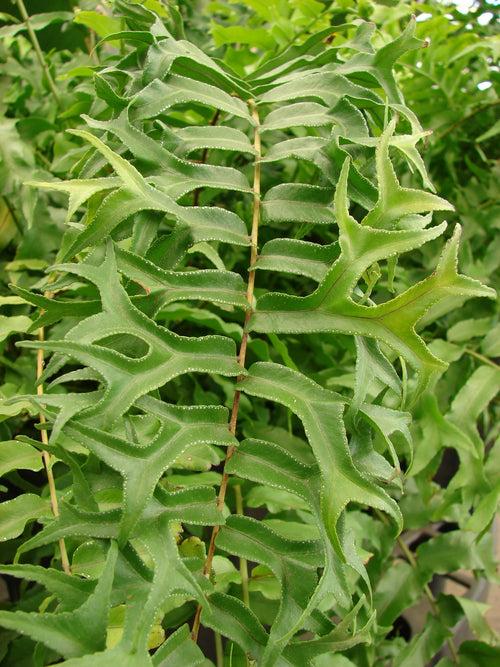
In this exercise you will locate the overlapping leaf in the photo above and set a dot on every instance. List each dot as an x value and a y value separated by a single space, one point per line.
331 307
321 414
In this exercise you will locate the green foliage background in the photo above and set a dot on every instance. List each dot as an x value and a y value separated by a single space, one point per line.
364 466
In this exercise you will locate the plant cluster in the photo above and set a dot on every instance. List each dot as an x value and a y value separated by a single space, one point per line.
247 394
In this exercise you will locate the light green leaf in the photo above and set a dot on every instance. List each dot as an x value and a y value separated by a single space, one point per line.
71 633
397 590
301 114
474 612
485 511
159 96
13 324
491 343
100 23
320 411
298 203
37 21
299 257
16 455
179 650
256 37
71 591
394 201
467 329
293 563
331 308
15 514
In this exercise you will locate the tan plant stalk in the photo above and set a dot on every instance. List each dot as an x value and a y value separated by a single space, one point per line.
47 459
254 237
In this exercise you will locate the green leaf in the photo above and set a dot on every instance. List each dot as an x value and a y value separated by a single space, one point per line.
230 616
16 455
320 412
394 202
179 650
71 591
475 395
15 514
88 560
474 612
489 134
71 633
467 329
298 203
425 645
37 22
478 654
176 177
192 138
397 590
255 37
454 551
380 64
141 467
127 379
13 324
137 195
159 96
490 345
169 286
100 23
293 563
331 308
327 87
182 57
371 365
485 511
270 465
274 500
301 114
299 257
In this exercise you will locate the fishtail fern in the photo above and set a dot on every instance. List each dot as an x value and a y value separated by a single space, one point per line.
138 243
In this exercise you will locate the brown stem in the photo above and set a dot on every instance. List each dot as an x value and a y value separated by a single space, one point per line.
464 119
47 460
243 349
13 215
482 358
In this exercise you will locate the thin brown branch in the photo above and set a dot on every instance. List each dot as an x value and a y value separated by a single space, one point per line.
254 237
47 459
482 358
464 119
